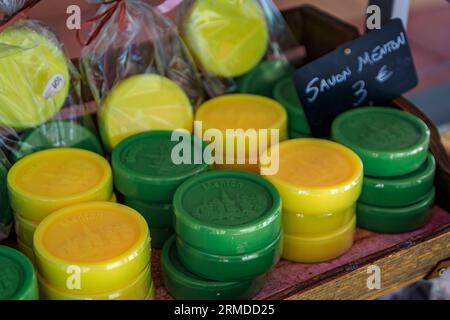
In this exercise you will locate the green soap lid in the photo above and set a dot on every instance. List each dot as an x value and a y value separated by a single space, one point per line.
262 79
298 135
5 209
58 134
286 94
157 215
227 212
230 267
395 220
390 142
400 191
159 236
17 276
184 285
144 169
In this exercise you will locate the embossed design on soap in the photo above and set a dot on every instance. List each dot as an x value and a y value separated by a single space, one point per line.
381 131
228 202
153 158
91 236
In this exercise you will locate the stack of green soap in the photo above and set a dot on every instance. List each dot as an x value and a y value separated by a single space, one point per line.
58 134
228 235
286 94
398 189
17 276
148 170
263 79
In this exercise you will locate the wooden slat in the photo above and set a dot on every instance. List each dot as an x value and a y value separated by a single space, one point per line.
398 270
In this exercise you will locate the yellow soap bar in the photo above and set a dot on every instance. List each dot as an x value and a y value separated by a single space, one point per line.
106 244
251 115
317 176
316 225
227 37
137 290
319 249
140 103
34 78
25 229
46 181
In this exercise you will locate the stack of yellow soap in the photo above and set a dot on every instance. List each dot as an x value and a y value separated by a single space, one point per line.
94 251
319 182
46 181
239 128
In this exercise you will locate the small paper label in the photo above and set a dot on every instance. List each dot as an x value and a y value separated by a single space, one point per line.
54 86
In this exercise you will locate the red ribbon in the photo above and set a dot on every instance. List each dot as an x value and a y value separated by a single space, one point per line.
103 18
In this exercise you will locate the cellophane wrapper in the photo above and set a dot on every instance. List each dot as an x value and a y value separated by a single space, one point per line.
40 101
280 39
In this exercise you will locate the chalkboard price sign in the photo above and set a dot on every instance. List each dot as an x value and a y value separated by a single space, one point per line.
373 69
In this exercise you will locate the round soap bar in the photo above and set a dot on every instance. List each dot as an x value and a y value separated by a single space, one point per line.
138 289
390 142
317 176
245 113
228 38
184 285
230 268
157 215
303 225
34 76
319 249
108 242
264 77
5 208
25 229
159 236
17 276
286 94
396 220
46 181
227 212
144 168
56 135
399 191
142 103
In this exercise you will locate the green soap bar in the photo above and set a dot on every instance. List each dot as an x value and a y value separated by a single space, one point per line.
400 191
229 268
227 212
144 169
157 215
159 236
17 276
58 134
298 135
262 79
184 285
6 217
390 142
286 94
395 220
